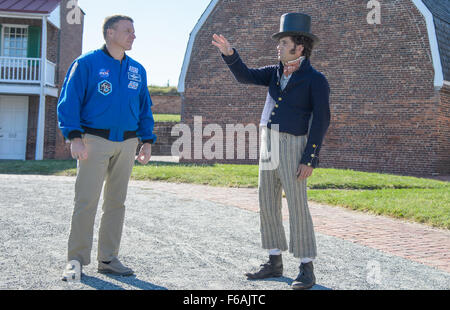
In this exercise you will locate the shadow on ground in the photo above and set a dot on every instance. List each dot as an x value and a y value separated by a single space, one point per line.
100 284
289 282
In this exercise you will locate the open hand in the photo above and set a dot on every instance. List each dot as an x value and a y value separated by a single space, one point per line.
224 46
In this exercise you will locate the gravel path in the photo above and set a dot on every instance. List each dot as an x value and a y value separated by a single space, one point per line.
176 243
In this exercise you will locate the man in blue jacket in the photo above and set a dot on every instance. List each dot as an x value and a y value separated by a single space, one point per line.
104 110
296 117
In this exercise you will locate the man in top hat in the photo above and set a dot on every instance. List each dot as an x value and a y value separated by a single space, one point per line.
296 117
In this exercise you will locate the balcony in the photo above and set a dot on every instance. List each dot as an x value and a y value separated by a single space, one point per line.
26 71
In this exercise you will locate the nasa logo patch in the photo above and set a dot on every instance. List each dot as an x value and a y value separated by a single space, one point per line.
104 73
105 88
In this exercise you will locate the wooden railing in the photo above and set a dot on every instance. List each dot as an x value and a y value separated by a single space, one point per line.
25 70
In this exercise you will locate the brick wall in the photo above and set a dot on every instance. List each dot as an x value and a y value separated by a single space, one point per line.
70 48
442 158
166 104
51 123
53 34
163 145
33 106
71 42
384 106
50 134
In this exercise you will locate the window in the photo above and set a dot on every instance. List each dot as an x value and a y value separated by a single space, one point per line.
15 41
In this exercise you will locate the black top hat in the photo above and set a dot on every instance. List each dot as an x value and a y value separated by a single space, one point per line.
292 24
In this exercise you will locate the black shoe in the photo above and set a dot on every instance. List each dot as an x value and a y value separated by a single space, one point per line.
272 269
306 278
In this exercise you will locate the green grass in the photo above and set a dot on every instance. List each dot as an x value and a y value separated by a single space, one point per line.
356 180
163 90
420 200
172 118
214 175
44 167
428 206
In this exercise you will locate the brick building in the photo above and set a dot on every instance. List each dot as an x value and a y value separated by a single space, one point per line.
39 40
390 81
166 104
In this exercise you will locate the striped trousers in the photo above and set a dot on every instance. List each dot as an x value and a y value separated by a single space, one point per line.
270 185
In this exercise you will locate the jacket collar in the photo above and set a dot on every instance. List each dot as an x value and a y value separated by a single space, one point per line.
105 50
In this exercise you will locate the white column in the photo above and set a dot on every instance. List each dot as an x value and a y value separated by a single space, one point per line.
41 113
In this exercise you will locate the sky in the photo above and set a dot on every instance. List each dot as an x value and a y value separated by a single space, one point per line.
162 32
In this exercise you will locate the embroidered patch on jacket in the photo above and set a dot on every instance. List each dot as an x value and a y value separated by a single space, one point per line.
133 69
104 73
133 85
105 88
134 77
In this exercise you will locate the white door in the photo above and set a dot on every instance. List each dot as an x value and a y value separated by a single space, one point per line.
13 127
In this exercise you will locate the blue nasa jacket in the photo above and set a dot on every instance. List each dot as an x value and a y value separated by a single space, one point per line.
306 95
103 95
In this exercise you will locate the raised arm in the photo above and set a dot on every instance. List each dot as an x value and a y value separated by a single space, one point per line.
260 76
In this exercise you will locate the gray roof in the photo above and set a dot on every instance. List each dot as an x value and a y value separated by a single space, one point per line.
441 15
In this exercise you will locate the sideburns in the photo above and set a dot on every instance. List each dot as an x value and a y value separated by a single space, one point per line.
292 51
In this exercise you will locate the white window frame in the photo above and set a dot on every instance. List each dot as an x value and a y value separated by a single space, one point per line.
2 46
3 40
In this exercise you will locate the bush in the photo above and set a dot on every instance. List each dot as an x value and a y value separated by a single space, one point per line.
163 91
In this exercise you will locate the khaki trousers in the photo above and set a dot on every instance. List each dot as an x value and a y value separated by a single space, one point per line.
114 162
270 185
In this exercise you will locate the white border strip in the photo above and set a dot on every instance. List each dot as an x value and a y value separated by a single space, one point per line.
438 74
192 36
